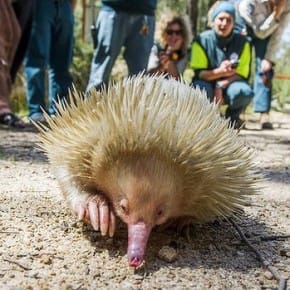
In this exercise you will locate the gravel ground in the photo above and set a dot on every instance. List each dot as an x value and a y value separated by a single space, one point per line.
44 247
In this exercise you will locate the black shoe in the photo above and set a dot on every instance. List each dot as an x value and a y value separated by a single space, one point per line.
267 126
11 120
265 121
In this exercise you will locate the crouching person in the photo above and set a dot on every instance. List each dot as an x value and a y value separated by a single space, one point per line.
221 61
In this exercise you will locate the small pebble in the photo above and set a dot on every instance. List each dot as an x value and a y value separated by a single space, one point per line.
45 259
167 254
138 277
268 275
239 253
285 252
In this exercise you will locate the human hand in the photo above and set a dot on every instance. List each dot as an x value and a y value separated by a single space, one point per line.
266 65
164 60
267 72
226 69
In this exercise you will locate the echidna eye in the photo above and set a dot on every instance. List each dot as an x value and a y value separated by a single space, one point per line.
159 212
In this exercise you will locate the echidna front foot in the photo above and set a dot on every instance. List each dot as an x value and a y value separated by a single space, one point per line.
96 211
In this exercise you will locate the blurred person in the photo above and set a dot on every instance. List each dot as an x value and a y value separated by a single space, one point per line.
262 19
170 54
221 60
50 47
122 23
9 38
23 10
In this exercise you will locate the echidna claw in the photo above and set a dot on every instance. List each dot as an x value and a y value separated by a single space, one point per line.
97 212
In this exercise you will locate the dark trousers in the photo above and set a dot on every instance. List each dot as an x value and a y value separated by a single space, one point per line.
23 10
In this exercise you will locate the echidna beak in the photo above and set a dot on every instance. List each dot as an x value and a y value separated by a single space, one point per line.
138 235
135 262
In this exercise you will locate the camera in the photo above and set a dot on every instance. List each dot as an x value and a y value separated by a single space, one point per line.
173 55
234 63
268 74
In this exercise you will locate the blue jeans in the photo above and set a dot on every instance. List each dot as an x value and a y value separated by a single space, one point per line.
116 29
50 47
263 94
237 96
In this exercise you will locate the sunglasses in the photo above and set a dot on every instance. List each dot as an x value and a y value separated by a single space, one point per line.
176 32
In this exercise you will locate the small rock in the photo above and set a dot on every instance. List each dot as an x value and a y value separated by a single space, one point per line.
285 252
138 277
33 274
239 253
235 243
46 259
268 275
167 254
171 275
256 274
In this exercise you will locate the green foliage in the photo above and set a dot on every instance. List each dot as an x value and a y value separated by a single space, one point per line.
281 94
281 87
17 98
83 53
178 6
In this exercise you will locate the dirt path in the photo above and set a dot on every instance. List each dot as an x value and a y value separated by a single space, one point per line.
43 247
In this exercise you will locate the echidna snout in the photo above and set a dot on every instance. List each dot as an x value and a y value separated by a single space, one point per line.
138 235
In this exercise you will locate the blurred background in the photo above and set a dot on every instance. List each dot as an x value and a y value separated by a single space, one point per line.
195 11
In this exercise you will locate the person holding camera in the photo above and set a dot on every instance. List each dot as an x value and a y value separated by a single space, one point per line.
261 18
221 60
169 55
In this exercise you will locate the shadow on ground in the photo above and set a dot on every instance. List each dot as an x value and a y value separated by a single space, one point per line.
213 245
273 148
20 145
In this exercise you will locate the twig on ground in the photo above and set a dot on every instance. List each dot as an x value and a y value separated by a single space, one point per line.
282 281
273 238
16 263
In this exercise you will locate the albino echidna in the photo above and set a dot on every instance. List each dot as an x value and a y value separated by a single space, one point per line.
146 149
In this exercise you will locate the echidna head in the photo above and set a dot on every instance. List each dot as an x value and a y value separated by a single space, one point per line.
143 192
141 200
